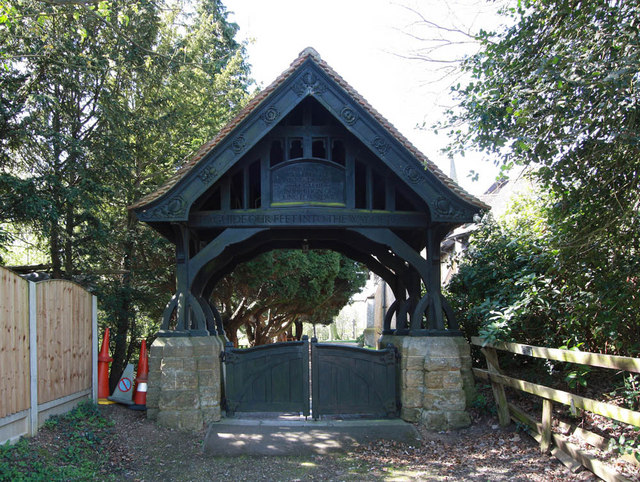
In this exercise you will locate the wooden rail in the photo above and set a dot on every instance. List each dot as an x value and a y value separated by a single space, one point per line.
506 411
582 357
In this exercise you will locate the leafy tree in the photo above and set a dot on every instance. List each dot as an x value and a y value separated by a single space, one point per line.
103 100
52 122
177 97
267 295
513 284
558 91
503 286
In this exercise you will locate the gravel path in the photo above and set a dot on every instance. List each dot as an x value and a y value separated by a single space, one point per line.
142 451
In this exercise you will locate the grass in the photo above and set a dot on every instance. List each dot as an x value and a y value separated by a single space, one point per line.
67 448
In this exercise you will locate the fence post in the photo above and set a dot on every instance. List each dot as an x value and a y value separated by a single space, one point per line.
547 411
94 348
33 359
498 390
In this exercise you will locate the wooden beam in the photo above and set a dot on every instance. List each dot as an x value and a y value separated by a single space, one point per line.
518 415
566 398
498 390
585 358
547 409
369 191
565 449
390 195
305 217
590 462
594 440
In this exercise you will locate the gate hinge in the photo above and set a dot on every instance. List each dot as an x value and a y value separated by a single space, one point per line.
396 353
223 356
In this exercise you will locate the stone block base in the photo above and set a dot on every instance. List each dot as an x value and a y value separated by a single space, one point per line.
436 381
185 381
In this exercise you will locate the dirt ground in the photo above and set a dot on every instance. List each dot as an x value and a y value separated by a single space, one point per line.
142 451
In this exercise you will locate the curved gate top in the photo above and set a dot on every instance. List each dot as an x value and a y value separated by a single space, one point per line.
308 162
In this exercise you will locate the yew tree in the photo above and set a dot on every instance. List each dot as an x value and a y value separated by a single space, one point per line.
100 103
264 297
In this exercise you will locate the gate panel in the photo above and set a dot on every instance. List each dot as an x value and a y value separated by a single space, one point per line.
268 378
351 380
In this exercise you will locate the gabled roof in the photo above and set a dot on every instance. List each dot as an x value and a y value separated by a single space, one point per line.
259 99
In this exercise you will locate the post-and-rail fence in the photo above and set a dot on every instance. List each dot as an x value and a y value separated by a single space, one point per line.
542 431
48 351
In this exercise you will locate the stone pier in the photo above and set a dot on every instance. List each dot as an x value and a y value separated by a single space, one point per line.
185 380
436 382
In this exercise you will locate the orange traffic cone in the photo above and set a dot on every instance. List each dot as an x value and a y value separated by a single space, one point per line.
103 371
140 395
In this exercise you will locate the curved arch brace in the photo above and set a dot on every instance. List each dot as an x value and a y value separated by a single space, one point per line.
406 252
386 324
212 272
209 315
210 275
168 311
420 309
452 321
197 321
217 246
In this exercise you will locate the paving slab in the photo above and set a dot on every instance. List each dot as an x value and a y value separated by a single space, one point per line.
250 436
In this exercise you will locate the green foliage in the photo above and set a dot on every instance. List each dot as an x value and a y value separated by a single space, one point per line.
576 376
558 91
630 391
514 284
266 295
101 101
624 445
77 456
500 288
484 404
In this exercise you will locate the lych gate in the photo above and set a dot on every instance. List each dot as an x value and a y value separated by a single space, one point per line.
310 164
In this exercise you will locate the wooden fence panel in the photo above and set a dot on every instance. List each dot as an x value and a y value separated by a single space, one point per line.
14 343
64 319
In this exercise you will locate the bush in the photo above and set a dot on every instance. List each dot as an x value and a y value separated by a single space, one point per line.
77 455
520 280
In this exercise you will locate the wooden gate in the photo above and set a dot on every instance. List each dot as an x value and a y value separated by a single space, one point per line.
268 378
345 380
351 380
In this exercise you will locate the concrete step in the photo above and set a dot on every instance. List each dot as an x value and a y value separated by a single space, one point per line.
293 436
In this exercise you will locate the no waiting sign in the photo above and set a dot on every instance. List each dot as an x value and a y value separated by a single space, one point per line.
125 385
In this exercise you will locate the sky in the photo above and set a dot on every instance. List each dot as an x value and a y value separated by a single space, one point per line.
369 42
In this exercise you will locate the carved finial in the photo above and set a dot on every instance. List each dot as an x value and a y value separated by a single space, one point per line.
310 51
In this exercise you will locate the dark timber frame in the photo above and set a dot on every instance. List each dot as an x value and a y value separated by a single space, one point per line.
309 163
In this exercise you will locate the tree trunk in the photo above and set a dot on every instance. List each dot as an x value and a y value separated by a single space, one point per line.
68 241
54 250
54 233
124 313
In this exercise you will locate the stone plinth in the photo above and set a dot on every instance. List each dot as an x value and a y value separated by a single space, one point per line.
436 382
185 376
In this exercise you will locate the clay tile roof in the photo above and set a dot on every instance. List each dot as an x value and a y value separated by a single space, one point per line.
308 52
